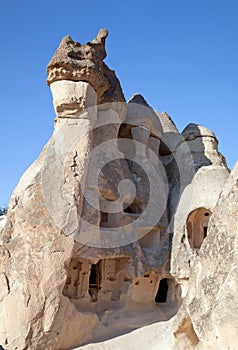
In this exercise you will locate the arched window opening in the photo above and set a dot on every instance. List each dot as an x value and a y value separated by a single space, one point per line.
197 225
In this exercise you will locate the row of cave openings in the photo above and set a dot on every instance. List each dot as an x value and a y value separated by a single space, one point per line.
197 225
108 277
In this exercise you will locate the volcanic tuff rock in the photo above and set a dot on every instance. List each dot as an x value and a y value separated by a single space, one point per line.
209 313
203 184
116 224
65 250
76 62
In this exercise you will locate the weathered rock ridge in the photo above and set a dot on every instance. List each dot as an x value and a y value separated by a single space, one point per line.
120 222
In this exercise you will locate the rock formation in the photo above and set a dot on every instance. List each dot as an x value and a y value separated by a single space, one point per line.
203 186
113 226
75 62
209 314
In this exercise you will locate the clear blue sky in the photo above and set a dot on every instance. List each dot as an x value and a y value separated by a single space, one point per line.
182 55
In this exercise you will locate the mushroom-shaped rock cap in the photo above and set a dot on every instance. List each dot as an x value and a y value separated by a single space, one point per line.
192 131
76 62
139 113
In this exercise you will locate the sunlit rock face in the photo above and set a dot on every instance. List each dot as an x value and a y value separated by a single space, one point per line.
208 317
70 98
86 229
204 183
104 231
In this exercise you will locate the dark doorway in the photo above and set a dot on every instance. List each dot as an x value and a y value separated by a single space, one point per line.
161 295
94 281
93 276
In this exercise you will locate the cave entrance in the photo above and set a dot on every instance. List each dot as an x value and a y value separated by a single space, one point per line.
161 296
197 226
94 281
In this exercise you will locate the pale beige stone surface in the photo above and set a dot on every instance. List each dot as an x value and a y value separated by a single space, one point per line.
151 337
210 306
119 222
201 189
54 299
71 97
